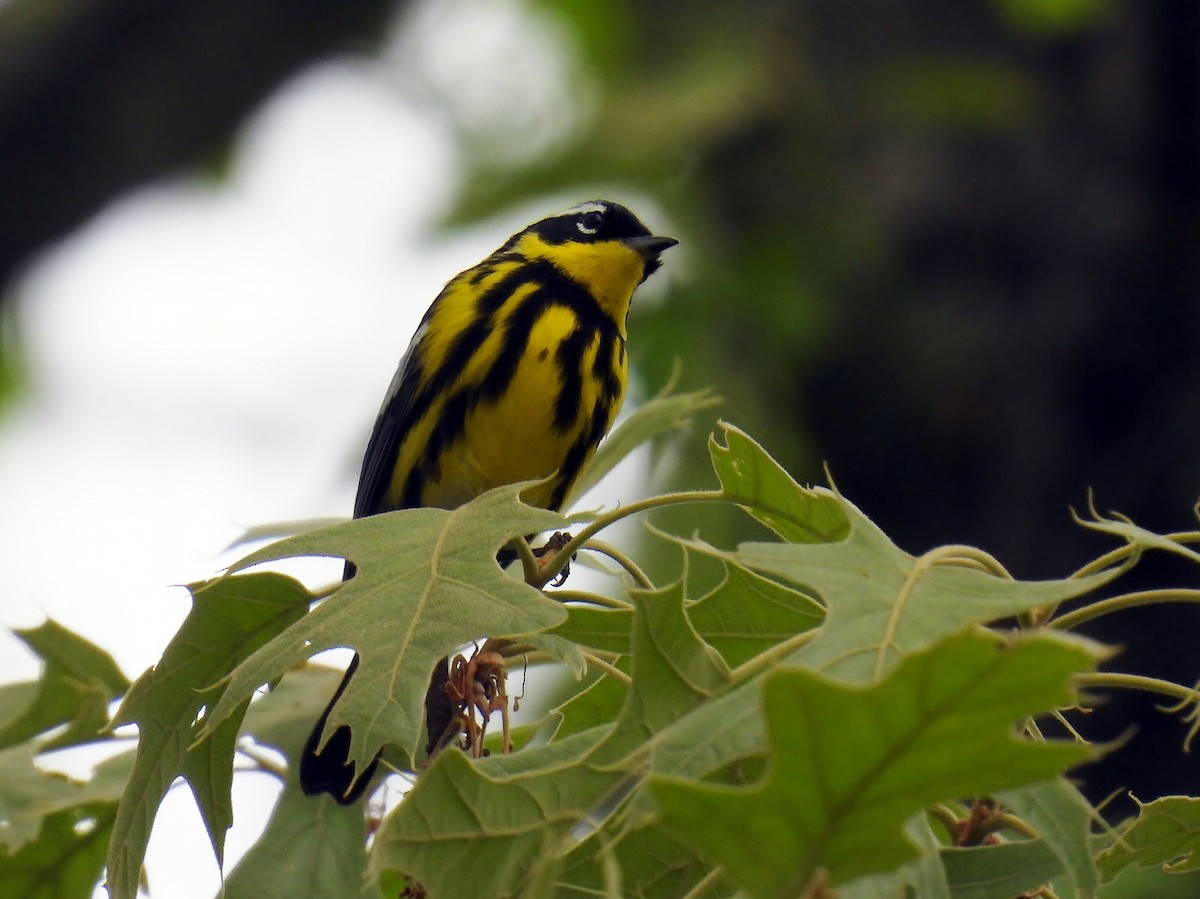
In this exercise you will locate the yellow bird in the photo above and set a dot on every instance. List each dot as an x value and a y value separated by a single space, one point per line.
515 373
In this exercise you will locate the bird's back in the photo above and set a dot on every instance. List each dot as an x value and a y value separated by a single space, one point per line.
516 374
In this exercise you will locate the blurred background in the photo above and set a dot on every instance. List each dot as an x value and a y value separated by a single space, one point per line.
950 249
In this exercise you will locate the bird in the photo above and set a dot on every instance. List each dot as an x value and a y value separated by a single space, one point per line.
515 373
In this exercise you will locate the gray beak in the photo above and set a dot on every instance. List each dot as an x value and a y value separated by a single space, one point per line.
650 246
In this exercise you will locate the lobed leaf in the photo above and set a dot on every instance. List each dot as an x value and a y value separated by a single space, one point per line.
480 828
797 514
311 846
230 618
54 830
849 765
78 682
489 827
1165 833
743 615
883 604
426 583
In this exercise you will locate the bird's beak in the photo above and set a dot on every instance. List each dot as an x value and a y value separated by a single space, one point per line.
650 247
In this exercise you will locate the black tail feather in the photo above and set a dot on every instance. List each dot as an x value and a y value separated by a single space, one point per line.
330 771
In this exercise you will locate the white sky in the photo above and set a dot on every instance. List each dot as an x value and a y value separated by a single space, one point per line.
206 357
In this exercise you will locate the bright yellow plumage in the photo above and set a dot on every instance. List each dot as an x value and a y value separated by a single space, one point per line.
515 374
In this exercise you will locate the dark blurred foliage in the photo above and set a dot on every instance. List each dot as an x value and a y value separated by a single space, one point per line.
98 96
951 249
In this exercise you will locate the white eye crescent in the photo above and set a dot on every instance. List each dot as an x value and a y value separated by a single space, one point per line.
591 222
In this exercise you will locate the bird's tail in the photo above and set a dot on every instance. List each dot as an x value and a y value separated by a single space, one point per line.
330 770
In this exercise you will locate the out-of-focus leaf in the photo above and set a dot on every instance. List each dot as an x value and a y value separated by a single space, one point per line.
1002 871
29 795
1051 17
1064 818
1165 833
311 847
66 860
230 618
78 682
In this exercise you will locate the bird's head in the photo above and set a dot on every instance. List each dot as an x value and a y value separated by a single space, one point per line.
599 244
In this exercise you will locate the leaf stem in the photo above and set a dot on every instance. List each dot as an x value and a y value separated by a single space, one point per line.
263 760
642 505
967 557
529 562
1068 727
1125 601
1009 821
1113 557
630 566
1138 682
592 599
607 668
764 659
945 816
702 886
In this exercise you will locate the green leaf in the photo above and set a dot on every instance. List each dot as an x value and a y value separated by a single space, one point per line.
924 877
1064 818
1051 18
849 765
30 795
1124 529
78 682
663 414
594 705
743 615
66 861
478 828
487 827
15 701
723 731
284 716
651 863
797 514
230 618
747 613
607 630
882 603
427 583
674 671
1165 833
1002 871
311 847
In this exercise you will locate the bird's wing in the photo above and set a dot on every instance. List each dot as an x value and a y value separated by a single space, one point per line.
393 422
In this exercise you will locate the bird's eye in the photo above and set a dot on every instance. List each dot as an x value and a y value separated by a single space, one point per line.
591 222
